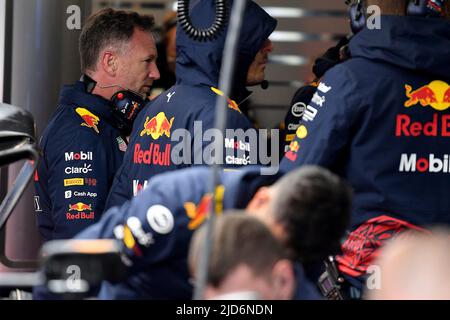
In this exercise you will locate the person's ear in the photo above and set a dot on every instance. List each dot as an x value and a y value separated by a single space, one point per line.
284 282
109 63
260 199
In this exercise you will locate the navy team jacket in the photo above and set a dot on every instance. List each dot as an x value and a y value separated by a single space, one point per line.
82 150
381 120
156 145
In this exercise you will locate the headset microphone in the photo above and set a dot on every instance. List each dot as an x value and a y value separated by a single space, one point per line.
126 104
264 84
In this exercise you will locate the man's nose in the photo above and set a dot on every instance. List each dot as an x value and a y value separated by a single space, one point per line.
268 46
154 72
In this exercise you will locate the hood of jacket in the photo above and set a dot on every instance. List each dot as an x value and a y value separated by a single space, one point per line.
198 63
414 43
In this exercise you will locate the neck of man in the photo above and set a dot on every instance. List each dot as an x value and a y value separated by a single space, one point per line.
102 82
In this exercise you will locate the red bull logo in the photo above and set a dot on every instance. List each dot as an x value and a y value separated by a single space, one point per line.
80 206
157 126
90 119
154 155
435 94
198 213
231 103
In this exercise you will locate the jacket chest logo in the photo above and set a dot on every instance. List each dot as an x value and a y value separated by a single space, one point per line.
90 119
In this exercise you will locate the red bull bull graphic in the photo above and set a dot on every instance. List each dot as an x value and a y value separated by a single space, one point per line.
231 103
198 213
157 126
80 206
90 119
436 94
294 147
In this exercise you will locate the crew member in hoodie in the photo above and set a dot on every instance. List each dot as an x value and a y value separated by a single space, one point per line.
172 132
308 210
380 121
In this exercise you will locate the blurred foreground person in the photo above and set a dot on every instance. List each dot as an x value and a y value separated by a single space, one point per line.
415 267
307 210
246 261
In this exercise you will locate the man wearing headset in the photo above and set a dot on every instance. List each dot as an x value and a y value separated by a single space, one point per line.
380 120
182 115
84 143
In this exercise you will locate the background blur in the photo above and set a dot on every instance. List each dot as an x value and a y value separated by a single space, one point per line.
38 54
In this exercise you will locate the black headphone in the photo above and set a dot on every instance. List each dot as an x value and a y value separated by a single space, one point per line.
126 104
422 8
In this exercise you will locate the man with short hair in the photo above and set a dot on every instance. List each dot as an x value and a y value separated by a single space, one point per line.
307 210
84 143
174 132
380 121
246 261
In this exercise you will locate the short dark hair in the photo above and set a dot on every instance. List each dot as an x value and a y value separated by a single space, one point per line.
108 27
314 207
237 239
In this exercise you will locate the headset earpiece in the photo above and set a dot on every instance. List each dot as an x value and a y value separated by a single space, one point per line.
421 8
126 106
357 15
425 8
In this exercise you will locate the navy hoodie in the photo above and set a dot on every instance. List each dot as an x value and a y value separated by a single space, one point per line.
154 147
381 120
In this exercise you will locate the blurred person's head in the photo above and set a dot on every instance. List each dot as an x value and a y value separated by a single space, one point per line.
308 210
246 260
414 267
117 48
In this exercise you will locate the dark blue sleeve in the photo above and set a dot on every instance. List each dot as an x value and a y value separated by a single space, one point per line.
327 123
76 182
120 191
146 226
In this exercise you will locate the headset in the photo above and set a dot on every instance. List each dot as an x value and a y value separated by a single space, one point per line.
421 8
210 33
126 104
